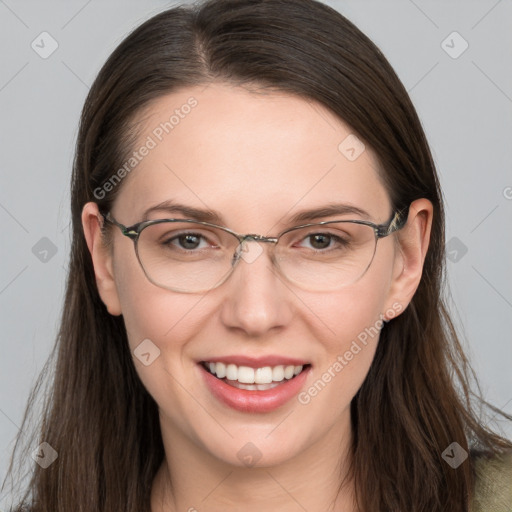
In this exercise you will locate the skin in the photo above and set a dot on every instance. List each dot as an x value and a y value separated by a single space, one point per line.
257 159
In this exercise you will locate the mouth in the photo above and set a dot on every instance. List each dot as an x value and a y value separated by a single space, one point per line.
253 390
253 379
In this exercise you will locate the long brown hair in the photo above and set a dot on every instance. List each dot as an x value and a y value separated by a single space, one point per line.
417 398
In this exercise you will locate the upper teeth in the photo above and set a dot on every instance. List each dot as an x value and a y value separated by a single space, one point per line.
248 375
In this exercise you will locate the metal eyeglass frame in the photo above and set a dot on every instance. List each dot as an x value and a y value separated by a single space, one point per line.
133 232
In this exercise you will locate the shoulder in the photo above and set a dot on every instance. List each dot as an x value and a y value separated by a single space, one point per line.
493 482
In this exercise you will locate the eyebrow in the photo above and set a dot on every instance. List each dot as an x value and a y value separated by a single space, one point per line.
214 217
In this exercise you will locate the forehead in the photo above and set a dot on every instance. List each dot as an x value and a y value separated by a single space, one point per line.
255 157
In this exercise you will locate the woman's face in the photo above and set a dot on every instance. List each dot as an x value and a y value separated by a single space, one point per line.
257 160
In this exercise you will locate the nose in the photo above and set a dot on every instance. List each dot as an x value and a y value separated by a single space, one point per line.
257 300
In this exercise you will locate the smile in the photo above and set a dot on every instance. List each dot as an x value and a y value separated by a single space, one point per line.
245 377
257 390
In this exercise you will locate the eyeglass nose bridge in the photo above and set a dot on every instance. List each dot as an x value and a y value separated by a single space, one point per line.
251 236
258 238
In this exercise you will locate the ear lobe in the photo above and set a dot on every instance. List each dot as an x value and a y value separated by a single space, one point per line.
101 258
413 240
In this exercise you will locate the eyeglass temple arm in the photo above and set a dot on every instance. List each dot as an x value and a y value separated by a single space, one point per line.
397 222
126 231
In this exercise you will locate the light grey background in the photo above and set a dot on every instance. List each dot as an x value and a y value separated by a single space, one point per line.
465 105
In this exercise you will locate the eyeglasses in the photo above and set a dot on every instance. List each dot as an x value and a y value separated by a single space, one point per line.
189 256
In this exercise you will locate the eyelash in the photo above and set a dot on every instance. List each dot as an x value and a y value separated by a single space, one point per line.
333 237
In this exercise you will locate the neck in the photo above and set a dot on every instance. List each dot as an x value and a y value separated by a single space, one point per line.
193 480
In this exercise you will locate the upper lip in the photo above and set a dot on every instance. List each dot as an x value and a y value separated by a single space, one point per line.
257 362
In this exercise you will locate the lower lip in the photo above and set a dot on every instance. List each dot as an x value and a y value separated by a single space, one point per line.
246 400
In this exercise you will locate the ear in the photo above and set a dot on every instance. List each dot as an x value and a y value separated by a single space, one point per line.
413 240
101 256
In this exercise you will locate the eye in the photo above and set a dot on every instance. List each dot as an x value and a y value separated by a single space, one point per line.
188 241
320 241
171 239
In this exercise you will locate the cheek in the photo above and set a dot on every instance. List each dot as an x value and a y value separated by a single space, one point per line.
354 312
348 324
152 313
353 320
348 348
160 326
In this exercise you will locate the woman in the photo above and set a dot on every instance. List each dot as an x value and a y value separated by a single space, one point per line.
254 314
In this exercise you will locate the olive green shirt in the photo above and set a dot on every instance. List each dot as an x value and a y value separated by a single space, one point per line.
493 484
